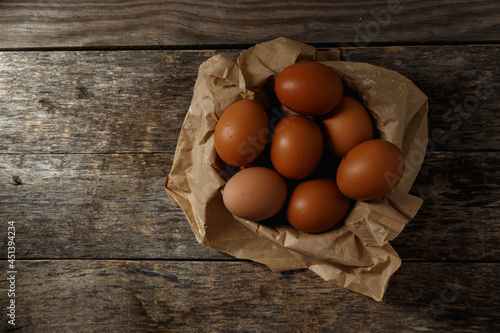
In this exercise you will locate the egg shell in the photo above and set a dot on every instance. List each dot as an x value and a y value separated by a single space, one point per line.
370 170
346 126
255 193
316 205
241 133
309 88
296 147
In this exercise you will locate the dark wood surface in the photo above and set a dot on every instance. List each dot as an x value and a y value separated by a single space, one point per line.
207 296
88 128
90 23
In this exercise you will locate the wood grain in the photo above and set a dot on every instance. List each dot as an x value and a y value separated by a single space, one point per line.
461 193
94 206
135 101
461 85
159 296
114 206
94 102
63 23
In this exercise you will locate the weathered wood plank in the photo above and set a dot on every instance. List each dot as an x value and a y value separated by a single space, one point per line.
94 206
114 206
63 23
94 102
127 296
462 86
135 101
461 193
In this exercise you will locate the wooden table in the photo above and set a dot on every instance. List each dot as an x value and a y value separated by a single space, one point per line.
92 98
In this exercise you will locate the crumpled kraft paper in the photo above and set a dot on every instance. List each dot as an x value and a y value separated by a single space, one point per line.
355 254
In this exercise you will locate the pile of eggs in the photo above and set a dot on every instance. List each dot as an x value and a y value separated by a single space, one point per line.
312 163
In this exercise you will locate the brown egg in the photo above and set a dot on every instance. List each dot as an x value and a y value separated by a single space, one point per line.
370 170
316 205
309 88
255 193
241 133
296 146
346 126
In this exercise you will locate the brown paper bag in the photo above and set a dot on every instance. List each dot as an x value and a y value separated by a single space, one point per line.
356 254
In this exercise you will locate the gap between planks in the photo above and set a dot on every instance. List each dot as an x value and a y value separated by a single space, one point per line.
486 150
236 260
232 46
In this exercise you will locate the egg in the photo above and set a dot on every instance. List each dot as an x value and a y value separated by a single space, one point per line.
241 133
316 205
255 193
370 170
346 126
309 88
296 146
